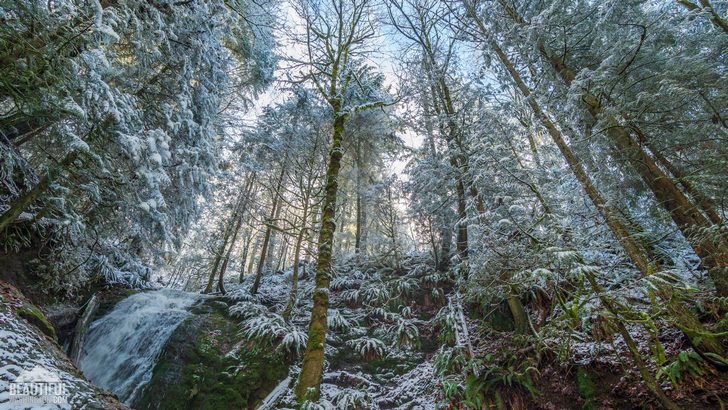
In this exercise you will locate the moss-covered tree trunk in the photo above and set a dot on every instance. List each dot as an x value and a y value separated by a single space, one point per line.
686 320
521 321
713 252
309 380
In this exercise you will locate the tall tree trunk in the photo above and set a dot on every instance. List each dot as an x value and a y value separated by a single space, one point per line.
238 224
446 242
225 238
263 254
244 255
462 224
309 380
703 201
268 229
273 242
360 236
226 259
254 251
687 322
688 218
296 258
281 265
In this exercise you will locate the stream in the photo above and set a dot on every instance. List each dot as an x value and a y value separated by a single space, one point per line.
121 348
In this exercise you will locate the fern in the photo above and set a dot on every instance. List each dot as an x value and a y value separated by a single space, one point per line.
266 328
374 294
351 399
246 310
685 364
294 342
368 348
336 321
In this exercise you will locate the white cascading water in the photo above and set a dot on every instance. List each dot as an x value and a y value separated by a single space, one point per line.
121 348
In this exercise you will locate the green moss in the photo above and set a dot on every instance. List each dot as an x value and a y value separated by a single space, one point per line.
36 317
586 388
500 319
195 370
110 298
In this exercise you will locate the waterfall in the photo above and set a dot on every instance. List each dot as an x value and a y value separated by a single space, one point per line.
121 348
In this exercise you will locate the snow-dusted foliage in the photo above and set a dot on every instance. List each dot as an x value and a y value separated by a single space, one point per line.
368 347
119 118
267 328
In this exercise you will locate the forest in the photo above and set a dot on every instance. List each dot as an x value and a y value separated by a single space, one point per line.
363 204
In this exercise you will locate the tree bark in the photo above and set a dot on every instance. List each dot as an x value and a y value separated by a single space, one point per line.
521 321
244 256
238 224
688 218
637 253
296 258
309 380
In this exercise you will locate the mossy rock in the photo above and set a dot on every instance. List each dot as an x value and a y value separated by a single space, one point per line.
36 317
500 319
197 369
109 298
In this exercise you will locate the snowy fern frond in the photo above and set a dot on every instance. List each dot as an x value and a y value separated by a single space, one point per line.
345 282
374 294
350 296
267 328
405 286
437 294
407 334
581 270
382 313
433 278
243 295
294 342
246 310
447 320
351 399
310 405
368 348
665 279
449 360
336 321
564 255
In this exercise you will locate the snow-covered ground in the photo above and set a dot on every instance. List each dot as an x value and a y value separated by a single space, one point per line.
29 358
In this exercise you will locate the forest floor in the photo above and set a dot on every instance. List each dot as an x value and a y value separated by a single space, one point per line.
368 366
391 346
381 342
